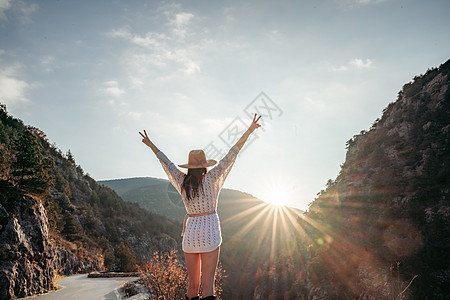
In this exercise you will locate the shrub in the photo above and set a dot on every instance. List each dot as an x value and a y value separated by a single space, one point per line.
167 278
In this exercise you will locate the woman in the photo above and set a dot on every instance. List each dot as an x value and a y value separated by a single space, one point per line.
199 189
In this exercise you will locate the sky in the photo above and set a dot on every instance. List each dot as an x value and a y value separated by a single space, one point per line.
91 74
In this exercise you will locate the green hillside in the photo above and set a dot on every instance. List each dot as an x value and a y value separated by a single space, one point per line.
156 195
159 196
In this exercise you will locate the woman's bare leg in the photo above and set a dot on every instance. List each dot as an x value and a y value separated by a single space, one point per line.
209 265
193 268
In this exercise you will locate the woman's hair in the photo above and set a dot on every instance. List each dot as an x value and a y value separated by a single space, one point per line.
192 183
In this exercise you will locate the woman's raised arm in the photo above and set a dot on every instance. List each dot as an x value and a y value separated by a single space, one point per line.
247 133
149 143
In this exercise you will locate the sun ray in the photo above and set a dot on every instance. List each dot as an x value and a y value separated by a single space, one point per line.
253 222
295 224
274 229
255 248
264 225
315 224
285 231
245 213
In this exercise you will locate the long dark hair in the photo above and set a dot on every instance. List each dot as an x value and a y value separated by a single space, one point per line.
192 183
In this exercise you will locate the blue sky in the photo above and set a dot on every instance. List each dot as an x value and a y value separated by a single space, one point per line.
91 74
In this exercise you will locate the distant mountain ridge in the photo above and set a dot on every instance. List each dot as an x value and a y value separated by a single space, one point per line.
159 196
154 194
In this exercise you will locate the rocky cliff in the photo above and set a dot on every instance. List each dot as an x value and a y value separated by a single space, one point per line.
29 260
26 253
387 213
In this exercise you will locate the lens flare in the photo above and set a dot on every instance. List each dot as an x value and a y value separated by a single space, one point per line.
277 195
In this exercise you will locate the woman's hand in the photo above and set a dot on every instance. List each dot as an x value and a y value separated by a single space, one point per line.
149 143
254 124
240 143
145 138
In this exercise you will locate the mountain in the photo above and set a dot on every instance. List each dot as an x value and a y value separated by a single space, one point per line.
56 219
159 196
384 222
153 194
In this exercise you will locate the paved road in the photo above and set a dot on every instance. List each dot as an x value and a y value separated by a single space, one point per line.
80 287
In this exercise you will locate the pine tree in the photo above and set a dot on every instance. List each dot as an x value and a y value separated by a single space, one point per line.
69 157
126 257
30 168
72 229
5 163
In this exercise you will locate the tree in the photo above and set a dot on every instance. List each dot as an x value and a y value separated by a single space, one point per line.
6 159
30 168
126 257
69 157
72 229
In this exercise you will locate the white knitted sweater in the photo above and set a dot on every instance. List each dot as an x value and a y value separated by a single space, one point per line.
202 233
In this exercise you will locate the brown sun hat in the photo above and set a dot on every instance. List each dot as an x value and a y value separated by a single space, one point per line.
197 159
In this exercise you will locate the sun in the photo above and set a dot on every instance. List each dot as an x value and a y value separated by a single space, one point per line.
277 195
278 190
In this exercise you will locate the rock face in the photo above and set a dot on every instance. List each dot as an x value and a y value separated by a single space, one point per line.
67 263
28 259
389 204
26 253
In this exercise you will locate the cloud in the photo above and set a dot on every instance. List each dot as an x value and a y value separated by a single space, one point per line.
4 6
149 40
12 90
340 68
178 20
135 115
180 23
18 8
228 13
360 64
47 63
368 1
275 36
353 3
111 88
135 81
355 63
165 49
314 103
